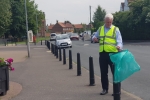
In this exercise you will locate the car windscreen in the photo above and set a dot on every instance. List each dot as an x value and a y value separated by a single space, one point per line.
61 37
74 34
53 35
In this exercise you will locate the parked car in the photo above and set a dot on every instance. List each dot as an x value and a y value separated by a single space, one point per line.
52 36
92 36
74 36
63 40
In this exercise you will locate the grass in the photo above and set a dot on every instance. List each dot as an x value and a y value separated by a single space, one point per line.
38 39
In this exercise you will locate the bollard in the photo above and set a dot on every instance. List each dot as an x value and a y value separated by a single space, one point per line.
116 87
56 52
52 48
49 45
64 56
91 71
34 42
70 59
78 65
41 42
60 57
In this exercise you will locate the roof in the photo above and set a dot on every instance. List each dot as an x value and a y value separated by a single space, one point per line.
78 26
61 24
51 26
68 25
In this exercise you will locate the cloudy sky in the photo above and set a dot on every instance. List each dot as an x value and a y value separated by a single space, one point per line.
76 11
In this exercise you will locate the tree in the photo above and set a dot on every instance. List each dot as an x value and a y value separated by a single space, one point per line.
134 24
18 26
5 15
98 17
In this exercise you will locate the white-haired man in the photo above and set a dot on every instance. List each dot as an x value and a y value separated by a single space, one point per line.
110 41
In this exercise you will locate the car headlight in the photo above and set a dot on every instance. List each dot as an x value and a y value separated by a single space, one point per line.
69 42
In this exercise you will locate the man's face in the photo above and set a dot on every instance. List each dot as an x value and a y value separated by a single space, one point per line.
108 22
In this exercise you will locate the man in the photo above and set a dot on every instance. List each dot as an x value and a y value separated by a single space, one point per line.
110 41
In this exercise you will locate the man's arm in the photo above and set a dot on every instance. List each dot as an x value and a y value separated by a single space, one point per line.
96 35
119 39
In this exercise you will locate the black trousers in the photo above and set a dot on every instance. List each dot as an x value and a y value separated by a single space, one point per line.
104 61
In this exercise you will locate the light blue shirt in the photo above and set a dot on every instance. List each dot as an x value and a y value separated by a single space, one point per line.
118 36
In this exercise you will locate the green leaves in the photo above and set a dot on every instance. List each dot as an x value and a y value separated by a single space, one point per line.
134 24
5 16
13 20
98 17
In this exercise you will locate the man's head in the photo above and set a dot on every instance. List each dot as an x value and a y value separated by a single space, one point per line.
108 20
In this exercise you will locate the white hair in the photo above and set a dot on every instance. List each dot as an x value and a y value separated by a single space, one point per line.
109 15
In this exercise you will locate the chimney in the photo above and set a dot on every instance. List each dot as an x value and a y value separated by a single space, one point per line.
56 21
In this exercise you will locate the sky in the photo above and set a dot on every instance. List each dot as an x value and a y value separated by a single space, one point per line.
75 11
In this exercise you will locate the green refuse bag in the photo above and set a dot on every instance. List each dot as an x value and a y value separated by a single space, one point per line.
125 65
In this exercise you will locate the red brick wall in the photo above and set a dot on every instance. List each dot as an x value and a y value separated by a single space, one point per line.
57 28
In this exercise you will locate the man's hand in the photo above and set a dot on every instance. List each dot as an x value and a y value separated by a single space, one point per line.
95 39
118 48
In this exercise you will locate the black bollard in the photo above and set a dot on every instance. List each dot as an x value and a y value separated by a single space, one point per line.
60 57
56 52
91 72
64 56
116 87
70 59
78 65
49 45
52 48
41 42
35 42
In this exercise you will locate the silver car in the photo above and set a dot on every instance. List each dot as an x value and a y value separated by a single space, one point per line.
52 36
63 40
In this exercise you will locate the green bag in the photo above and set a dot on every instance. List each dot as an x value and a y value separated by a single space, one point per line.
125 65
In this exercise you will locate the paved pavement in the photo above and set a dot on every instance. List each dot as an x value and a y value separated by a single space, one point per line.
43 77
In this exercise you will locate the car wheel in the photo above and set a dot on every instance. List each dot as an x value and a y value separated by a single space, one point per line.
70 46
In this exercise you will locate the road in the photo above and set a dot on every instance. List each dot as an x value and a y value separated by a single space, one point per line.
138 84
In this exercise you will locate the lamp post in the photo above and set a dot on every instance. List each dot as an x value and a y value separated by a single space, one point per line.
28 44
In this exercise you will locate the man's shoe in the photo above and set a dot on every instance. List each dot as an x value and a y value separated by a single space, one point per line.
104 92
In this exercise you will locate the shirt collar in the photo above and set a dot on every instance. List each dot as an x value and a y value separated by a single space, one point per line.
109 27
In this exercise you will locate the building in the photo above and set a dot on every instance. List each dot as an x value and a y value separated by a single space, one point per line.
125 5
78 28
62 27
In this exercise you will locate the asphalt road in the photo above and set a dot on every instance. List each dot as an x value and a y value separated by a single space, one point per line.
138 84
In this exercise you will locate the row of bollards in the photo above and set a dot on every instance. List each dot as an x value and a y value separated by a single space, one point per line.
57 52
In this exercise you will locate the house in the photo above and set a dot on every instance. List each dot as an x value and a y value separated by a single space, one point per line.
42 29
50 27
62 27
78 27
125 5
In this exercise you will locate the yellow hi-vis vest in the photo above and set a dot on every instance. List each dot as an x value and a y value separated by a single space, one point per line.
107 40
